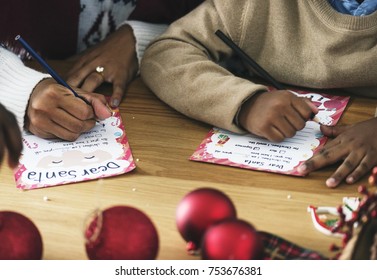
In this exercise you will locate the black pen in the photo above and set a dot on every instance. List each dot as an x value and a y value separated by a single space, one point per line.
254 65
47 67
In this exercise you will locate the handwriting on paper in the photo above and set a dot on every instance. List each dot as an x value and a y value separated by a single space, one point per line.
101 152
252 152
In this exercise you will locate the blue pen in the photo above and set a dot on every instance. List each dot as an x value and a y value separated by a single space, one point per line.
47 67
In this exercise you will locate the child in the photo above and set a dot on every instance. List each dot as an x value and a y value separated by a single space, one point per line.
301 43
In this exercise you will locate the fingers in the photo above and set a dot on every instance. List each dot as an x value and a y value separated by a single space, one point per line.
85 76
60 123
334 131
326 156
296 115
53 111
364 166
117 55
99 105
119 88
81 69
314 109
304 107
275 115
351 170
49 130
92 81
294 118
348 165
75 77
89 80
354 147
115 98
274 135
282 129
121 80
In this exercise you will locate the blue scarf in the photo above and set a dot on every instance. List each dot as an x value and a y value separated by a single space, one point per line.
352 7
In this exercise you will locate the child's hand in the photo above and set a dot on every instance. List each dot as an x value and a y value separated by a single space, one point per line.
276 115
355 145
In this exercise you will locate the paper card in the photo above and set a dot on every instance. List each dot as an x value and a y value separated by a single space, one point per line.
101 152
252 152
326 218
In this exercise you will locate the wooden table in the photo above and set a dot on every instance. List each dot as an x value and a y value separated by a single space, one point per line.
162 140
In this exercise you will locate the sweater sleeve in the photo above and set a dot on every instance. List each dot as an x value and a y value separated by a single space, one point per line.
183 67
16 84
144 33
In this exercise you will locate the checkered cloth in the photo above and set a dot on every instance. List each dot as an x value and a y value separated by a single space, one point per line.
277 248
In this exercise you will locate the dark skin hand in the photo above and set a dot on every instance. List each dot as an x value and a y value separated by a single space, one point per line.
276 115
355 146
117 55
54 112
10 137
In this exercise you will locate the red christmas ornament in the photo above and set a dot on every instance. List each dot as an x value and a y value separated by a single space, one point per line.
200 209
232 239
121 233
19 238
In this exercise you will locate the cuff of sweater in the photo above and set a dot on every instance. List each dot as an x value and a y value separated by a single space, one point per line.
16 84
144 33
236 119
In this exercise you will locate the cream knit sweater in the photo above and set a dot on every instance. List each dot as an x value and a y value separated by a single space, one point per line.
17 81
303 43
16 84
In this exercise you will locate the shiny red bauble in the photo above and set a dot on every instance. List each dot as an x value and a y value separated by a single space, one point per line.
121 233
20 239
232 239
200 209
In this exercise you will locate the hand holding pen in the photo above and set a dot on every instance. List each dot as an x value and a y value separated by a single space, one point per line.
275 115
47 67
57 110
54 112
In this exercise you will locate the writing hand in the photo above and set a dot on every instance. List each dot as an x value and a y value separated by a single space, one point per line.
10 137
276 115
355 146
117 55
53 111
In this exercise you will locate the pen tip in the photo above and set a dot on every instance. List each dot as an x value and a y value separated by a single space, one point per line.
316 119
17 37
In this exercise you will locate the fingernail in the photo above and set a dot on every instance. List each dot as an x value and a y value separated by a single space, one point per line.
115 103
331 182
302 168
350 180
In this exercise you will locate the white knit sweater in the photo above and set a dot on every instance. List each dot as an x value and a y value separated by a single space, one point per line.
18 81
